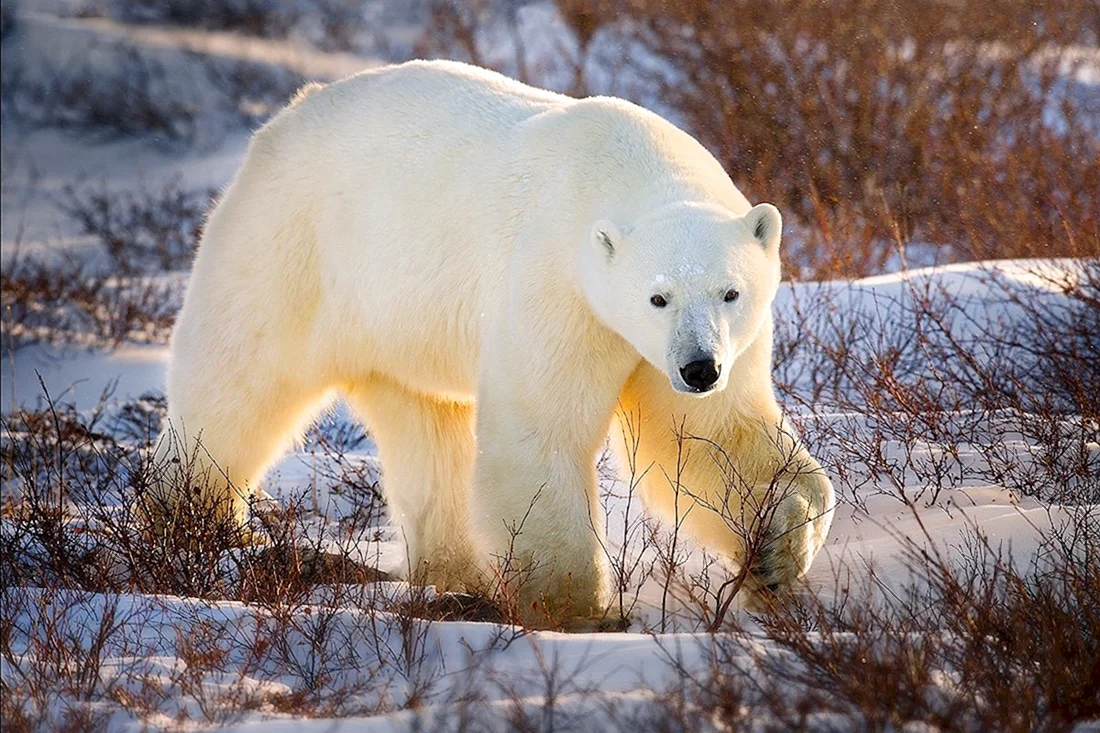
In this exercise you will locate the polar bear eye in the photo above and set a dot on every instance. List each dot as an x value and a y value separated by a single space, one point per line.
732 295
658 301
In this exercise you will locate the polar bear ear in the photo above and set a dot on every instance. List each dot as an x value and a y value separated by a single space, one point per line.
766 225
607 237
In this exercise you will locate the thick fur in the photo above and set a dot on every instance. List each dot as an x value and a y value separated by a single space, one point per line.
428 237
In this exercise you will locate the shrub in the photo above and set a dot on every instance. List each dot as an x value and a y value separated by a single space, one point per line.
929 131
976 637
141 231
173 99
131 93
8 11
65 302
331 25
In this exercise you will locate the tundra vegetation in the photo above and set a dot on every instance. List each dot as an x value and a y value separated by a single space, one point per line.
892 137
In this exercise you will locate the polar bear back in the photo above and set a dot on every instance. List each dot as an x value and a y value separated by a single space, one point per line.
432 175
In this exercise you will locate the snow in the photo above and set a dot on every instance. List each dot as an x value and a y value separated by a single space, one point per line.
80 377
504 667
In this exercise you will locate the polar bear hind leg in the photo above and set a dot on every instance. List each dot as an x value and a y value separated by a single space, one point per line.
228 422
427 448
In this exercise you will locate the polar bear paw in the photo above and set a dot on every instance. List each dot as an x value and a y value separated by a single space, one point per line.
783 554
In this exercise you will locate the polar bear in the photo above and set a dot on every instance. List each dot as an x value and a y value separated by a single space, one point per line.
487 272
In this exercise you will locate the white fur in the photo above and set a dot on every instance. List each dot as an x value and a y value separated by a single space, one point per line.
426 237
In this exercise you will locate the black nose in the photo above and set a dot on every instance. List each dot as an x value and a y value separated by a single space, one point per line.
701 375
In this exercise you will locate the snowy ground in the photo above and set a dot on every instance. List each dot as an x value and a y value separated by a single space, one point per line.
583 679
599 674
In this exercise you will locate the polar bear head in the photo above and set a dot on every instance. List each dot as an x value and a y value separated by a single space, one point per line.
688 285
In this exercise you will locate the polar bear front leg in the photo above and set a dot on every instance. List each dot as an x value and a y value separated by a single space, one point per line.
538 521
784 513
544 407
740 481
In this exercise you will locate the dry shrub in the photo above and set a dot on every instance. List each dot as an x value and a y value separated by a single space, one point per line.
263 18
331 25
130 93
79 488
923 393
976 640
126 296
251 91
951 124
873 124
175 99
885 132
65 302
93 600
141 231
8 12
971 643
917 380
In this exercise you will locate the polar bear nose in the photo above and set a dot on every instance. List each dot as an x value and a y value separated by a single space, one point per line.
701 374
